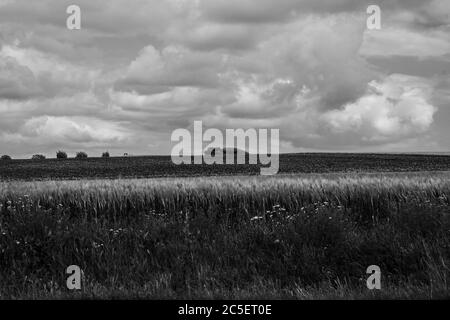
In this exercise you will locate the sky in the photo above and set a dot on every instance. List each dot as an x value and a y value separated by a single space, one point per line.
138 70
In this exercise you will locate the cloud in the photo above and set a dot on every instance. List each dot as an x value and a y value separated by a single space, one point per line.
264 11
138 70
38 73
404 42
306 77
17 82
428 15
174 66
215 35
263 101
396 108
313 59
73 130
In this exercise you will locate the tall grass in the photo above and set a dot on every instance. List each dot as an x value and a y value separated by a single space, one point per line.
310 236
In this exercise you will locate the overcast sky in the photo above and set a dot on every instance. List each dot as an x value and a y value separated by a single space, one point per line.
139 69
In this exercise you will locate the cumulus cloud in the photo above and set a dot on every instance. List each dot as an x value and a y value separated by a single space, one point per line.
395 108
73 129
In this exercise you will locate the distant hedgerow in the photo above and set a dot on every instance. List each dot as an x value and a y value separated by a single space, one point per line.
5 157
81 155
105 154
61 155
38 157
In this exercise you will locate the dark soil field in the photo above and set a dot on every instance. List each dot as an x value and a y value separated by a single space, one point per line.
162 166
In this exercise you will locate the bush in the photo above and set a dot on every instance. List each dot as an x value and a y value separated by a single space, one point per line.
5 157
81 155
105 154
61 155
38 157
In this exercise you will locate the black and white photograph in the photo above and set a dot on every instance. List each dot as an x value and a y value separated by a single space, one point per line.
224 150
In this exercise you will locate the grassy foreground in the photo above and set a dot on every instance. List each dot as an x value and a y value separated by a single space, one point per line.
304 236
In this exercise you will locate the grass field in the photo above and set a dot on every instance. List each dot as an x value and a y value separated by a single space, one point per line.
300 236
162 166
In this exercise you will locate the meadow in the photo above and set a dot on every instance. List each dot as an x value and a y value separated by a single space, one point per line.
290 236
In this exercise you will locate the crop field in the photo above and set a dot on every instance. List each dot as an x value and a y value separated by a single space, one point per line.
297 236
162 166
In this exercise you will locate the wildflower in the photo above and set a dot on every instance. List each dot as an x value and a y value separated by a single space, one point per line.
97 245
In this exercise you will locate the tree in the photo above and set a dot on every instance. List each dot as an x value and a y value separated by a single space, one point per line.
81 155
5 157
61 155
38 157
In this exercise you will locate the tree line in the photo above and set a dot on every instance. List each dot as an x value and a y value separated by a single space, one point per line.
59 155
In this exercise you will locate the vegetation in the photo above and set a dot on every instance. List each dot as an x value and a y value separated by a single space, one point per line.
299 236
81 155
160 166
5 157
38 157
61 155
105 154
